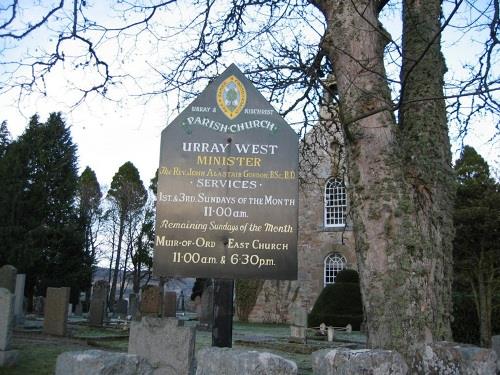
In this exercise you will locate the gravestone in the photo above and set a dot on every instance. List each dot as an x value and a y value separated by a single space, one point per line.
495 345
98 303
56 311
217 361
207 307
299 325
132 305
121 308
99 362
167 346
169 305
150 304
19 299
453 358
361 361
79 309
38 305
8 278
8 357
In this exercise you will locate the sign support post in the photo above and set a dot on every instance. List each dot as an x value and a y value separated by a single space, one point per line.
227 202
222 327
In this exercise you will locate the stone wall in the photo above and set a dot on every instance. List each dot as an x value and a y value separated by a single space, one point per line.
319 160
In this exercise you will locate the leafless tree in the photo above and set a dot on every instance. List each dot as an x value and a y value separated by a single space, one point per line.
390 93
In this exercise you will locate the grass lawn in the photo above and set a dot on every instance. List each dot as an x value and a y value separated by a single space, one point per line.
38 354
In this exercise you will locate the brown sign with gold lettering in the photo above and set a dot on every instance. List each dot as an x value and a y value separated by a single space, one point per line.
227 200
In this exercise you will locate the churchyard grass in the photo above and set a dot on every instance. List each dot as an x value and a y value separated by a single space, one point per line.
37 356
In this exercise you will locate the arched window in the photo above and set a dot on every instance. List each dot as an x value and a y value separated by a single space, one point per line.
335 203
334 263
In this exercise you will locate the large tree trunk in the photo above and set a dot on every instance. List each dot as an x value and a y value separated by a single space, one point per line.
399 174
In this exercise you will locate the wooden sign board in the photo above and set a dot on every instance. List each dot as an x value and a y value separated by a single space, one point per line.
227 204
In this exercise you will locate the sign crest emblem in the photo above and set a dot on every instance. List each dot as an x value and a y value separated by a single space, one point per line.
231 97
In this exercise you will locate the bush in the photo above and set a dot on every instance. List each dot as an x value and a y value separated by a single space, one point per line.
465 325
247 292
347 276
339 304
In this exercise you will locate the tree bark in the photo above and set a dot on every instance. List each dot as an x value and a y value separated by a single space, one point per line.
400 175
116 270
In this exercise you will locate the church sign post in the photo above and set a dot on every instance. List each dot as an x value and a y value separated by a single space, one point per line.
227 203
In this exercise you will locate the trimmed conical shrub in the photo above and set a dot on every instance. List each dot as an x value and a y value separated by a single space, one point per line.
339 304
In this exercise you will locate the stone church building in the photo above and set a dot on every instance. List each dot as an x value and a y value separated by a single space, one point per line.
325 237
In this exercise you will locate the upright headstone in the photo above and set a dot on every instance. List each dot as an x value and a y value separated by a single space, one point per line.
132 305
8 278
38 305
8 357
169 305
56 311
19 299
207 307
166 345
151 301
79 309
98 303
299 325
121 308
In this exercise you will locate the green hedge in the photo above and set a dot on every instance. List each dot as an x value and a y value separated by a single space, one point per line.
339 304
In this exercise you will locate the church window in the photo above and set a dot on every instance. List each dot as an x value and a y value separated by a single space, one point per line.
335 203
334 263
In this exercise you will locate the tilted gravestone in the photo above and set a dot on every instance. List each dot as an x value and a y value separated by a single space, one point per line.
8 278
8 357
56 311
98 303
169 305
150 304
166 345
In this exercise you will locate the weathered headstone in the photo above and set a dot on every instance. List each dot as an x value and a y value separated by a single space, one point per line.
56 311
150 301
453 358
362 361
132 305
207 307
39 305
19 299
221 361
121 308
298 328
8 278
330 333
98 303
99 362
169 305
8 357
79 309
166 345
495 345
